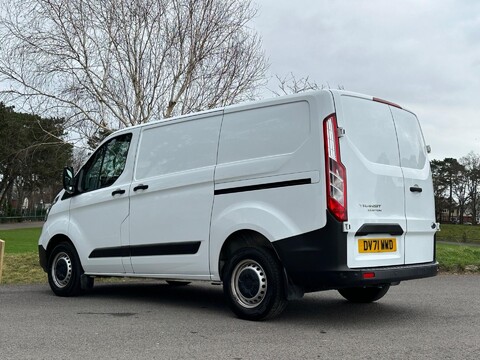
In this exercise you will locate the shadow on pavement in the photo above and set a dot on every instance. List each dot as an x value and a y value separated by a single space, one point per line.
325 308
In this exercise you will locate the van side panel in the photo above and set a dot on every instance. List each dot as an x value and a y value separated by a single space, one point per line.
262 142
270 172
171 198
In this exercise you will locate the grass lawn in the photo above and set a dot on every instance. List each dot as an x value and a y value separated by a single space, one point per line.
21 265
458 258
459 233
22 269
21 240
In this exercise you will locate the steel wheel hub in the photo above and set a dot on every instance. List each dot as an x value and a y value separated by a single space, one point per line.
61 270
249 283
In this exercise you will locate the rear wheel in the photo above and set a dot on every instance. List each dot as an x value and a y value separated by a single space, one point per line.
64 270
364 294
253 284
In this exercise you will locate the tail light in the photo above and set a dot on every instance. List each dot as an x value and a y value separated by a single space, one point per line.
335 171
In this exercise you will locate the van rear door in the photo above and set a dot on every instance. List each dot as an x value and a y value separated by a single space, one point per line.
391 214
375 183
419 203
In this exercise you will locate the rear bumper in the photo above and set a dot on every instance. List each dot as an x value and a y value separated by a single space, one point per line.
337 279
318 261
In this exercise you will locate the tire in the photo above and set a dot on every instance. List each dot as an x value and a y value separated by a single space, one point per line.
253 284
64 270
177 283
364 294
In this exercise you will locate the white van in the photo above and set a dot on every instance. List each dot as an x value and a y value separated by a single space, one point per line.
315 191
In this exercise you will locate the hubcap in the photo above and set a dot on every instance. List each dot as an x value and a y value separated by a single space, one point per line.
249 283
61 270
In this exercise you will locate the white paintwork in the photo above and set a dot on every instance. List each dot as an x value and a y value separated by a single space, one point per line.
184 160
375 186
177 162
269 212
263 132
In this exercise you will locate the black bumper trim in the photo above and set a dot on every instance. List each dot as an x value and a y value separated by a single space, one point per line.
42 255
181 248
325 280
392 229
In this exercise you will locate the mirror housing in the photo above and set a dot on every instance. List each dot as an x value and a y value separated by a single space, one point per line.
68 179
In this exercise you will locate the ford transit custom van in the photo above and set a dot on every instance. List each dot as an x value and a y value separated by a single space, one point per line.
326 190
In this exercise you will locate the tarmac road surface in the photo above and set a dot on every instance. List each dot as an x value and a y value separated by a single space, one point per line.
21 225
437 318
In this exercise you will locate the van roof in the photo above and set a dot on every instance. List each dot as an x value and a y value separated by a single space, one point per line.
253 104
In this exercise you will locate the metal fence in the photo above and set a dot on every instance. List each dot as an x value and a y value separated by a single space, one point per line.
13 215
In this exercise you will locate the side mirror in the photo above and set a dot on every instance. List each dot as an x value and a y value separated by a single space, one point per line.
68 179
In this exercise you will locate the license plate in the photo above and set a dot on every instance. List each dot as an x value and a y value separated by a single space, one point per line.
377 245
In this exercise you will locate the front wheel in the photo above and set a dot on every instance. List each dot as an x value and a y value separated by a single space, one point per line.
364 294
253 284
64 270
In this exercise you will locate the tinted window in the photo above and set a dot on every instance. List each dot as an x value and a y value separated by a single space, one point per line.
107 164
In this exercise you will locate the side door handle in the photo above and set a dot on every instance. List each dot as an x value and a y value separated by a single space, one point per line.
140 187
416 188
118 192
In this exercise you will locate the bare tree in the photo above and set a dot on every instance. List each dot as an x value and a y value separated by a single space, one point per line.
471 163
290 84
108 64
460 190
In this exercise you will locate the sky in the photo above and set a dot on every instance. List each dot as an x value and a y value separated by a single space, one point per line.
423 55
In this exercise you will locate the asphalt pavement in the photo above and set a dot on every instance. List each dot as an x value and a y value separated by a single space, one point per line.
21 225
436 318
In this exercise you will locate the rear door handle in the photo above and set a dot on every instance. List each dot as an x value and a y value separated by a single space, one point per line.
140 187
118 192
415 188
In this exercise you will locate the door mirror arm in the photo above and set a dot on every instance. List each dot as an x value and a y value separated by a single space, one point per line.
68 180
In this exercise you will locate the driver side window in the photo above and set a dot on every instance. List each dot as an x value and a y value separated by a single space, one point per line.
107 164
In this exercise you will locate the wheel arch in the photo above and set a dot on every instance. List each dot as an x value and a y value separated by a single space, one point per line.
57 239
241 239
